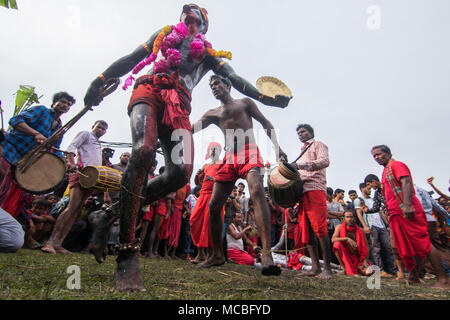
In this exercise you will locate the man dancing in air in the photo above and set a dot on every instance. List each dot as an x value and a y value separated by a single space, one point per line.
160 106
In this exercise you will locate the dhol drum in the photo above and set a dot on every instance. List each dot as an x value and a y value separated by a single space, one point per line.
285 185
100 178
43 175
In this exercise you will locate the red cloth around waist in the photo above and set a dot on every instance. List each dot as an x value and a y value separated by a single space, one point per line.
165 94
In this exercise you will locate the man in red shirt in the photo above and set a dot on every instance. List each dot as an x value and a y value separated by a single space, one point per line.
407 218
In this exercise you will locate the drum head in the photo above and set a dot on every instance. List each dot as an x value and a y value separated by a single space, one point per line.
277 179
43 176
88 177
289 171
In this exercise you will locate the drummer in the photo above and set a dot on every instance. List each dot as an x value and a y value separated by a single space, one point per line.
242 160
28 129
86 146
313 202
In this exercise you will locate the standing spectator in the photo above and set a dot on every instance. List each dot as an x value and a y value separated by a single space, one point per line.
313 202
379 205
352 194
200 217
148 212
439 192
176 217
407 218
335 211
121 166
123 162
87 147
243 200
432 209
276 219
339 195
379 238
29 129
191 200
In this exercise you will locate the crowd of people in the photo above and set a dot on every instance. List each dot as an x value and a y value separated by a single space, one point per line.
369 229
401 229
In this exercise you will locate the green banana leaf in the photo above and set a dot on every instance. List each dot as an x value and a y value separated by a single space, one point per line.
25 97
9 4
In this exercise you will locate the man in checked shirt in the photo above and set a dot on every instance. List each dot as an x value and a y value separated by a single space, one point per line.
29 128
312 213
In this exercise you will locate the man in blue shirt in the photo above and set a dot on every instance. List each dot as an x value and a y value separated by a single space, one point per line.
29 128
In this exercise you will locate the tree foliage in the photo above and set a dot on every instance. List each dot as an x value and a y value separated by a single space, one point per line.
9 4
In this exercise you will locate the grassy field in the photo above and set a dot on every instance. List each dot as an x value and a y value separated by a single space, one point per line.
33 275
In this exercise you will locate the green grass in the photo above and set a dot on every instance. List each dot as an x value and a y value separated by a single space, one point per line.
31 274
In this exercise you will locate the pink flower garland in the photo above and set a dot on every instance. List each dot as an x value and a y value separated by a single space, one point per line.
172 57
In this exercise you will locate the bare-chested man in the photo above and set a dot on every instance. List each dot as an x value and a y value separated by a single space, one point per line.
350 247
242 160
159 106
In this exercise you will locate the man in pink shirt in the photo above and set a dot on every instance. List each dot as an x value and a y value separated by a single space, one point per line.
312 212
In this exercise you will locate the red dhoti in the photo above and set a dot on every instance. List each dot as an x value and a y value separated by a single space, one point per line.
351 260
240 257
199 221
313 208
174 227
167 97
161 211
410 237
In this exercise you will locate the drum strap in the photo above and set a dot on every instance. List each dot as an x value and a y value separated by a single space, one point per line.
303 152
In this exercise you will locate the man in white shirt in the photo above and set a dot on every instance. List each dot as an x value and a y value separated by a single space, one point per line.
374 226
86 146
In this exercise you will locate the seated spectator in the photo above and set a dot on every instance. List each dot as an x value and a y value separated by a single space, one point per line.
80 234
113 237
39 223
52 199
251 234
235 241
11 233
350 247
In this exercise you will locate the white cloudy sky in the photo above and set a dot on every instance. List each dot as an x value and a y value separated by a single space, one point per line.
362 72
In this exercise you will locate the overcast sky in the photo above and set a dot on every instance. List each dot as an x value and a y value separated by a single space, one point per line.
361 72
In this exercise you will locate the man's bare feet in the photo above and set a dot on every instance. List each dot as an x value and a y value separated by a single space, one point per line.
60 249
310 273
213 261
127 276
400 276
48 248
441 284
325 275
198 259
384 274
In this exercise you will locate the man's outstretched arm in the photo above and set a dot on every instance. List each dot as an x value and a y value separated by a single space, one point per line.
206 120
268 128
118 69
222 68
